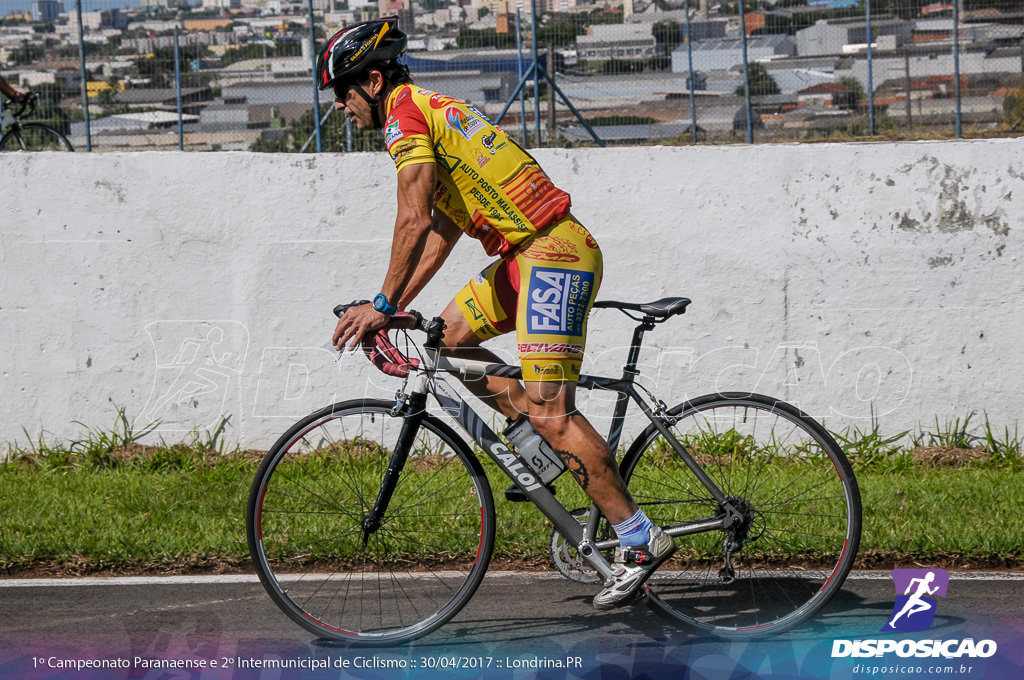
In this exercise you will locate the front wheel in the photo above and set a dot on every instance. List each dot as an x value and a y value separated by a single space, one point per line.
795 492
337 571
34 137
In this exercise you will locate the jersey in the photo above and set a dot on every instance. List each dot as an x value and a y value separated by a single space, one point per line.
487 184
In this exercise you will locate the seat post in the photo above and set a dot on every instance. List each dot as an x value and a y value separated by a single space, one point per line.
629 371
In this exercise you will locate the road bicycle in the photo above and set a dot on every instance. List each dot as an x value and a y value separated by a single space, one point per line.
29 136
372 521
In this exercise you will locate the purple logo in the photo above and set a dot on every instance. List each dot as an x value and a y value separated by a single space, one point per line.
916 590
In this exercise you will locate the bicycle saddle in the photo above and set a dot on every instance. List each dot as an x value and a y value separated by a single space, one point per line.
659 309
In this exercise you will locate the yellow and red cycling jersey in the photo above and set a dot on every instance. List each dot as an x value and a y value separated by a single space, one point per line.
487 184
550 267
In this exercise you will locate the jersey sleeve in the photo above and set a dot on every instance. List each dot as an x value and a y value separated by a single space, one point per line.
407 133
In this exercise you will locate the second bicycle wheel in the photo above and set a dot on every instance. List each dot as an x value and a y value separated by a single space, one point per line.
337 574
35 137
800 507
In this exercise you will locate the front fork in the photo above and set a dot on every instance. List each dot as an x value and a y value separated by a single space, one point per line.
414 405
411 407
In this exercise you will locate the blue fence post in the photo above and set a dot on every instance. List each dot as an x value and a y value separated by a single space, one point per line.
85 89
316 86
689 60
871 84
746 76
522 93
956 67
177 87
536 76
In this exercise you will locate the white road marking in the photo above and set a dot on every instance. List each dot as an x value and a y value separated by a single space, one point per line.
252 578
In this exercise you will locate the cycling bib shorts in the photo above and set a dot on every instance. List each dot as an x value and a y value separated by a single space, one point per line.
543 291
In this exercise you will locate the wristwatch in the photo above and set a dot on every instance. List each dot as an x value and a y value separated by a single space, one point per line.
381 304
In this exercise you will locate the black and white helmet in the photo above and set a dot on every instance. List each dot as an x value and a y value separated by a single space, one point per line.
353 49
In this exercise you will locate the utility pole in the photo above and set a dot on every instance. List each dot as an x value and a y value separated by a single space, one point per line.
906 71
552 126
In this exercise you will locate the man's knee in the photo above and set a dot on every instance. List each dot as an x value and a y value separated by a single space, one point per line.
552 408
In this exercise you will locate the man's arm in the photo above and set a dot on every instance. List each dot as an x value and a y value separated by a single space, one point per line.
6 89
440 241
412 234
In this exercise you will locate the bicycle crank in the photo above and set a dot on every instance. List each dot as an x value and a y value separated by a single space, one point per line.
566 557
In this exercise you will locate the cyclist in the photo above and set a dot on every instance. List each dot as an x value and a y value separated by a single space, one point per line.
457 172
11 93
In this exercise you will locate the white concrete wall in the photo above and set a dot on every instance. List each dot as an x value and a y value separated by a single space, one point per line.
186 286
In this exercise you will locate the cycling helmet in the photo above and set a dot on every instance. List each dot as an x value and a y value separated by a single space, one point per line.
352 50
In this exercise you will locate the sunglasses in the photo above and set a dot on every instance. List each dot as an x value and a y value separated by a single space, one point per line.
341 91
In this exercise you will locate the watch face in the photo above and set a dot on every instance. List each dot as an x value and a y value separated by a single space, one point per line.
379 302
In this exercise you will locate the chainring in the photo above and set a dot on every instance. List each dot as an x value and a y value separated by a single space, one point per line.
567 559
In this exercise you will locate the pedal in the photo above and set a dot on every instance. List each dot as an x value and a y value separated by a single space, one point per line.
514 494
636 556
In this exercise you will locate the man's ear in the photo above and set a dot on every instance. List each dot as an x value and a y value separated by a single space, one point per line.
376 83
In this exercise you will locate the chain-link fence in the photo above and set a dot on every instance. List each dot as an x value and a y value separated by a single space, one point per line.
235 75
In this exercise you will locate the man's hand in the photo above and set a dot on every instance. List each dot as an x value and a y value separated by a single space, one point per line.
354 324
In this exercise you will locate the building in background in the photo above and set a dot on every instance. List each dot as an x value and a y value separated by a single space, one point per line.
616 41
46 10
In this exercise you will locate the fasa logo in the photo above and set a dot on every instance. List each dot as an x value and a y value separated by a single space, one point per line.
558 301
916 590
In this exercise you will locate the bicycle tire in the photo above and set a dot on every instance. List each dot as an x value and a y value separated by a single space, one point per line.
34 137
305 532
801 506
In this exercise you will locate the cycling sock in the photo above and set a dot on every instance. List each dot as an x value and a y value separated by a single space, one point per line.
634 531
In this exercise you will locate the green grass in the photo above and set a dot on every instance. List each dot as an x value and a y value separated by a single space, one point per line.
87 519
105 503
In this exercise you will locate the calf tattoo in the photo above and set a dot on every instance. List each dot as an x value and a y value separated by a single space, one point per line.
576 467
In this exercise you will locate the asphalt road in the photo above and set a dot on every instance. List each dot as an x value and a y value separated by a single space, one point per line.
521 622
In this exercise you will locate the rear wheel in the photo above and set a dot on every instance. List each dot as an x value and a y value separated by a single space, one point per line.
34 137
339 574
795 491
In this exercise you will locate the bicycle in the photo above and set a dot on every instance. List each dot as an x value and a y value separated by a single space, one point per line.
372 522
29 136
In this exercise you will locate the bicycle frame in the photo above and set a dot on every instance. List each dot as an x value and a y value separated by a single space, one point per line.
428 379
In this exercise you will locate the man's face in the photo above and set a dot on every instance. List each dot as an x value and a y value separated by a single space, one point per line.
353 105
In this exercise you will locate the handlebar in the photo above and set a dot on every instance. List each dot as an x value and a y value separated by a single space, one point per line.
378 347
25 106
410 320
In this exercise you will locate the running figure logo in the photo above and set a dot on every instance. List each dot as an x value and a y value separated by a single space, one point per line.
198 369
914 609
